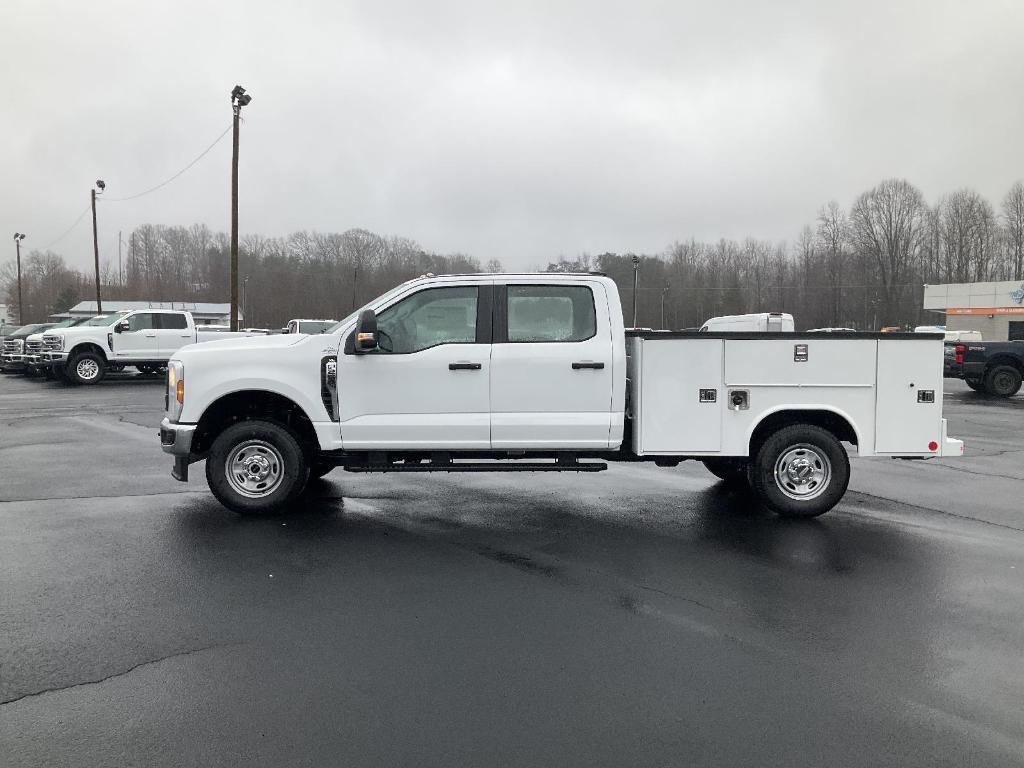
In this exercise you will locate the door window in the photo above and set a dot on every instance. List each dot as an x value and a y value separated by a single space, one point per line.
550 313
428 318
173 322
143 321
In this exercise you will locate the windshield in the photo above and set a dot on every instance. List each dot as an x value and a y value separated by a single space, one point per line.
69 323
380 299
104 319
28 330
314 326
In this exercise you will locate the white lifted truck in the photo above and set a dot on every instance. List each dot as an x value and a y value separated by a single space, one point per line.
144 338
535 372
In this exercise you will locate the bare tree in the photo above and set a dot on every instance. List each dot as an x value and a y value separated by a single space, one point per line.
888 223
1013 227
833 232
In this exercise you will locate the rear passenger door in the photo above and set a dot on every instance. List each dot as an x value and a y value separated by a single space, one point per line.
173 333
551 366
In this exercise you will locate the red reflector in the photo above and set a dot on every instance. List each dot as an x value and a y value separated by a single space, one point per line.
959 349
933 446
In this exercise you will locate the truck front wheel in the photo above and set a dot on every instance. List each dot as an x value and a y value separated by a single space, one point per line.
86 368
1003 381
800 471
256 468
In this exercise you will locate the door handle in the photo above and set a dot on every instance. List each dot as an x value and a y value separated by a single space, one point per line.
464 366
587 364
150 335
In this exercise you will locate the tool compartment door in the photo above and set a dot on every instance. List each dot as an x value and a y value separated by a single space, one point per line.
902 423
673 419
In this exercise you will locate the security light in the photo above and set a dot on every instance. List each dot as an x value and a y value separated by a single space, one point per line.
100 184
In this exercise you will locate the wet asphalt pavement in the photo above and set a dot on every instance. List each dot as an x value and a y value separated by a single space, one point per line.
639 616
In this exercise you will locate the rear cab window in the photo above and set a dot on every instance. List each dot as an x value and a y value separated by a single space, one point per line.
550 313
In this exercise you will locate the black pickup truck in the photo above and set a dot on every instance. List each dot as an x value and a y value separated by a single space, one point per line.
993 367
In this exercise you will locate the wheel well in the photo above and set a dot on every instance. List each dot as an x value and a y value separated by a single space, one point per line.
827 420
87 347
252 404
1011 361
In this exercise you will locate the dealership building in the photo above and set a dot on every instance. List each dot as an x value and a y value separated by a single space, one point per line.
995 309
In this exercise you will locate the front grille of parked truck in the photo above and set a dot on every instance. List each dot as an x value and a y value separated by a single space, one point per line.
52 343
13 346
33 347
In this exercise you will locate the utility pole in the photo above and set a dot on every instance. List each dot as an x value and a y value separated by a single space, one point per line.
120 272
96 242
239 99
663 292
636 271
18 237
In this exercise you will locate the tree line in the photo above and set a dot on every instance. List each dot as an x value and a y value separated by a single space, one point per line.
862 267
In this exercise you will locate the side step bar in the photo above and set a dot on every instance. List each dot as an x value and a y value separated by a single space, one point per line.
496 466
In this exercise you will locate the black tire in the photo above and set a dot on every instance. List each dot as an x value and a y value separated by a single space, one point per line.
80 371
1002 381
273 449
797 448
730 470
974 384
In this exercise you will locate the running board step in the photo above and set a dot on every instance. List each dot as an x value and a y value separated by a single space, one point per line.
497 466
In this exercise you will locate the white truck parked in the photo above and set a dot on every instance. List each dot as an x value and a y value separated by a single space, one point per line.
535 372
145 339
308 326
758 321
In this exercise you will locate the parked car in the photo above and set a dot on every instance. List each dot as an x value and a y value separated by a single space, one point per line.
13 355
308 326
506 373
759 322
831 330
993 367
144 338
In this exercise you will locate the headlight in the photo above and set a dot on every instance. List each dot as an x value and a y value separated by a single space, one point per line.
59 342
175 397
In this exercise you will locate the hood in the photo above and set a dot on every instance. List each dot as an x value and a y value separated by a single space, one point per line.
247 344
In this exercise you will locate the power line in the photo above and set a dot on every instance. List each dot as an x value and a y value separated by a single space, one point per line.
172 178
67 231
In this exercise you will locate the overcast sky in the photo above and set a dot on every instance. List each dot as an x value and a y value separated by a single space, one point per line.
519 130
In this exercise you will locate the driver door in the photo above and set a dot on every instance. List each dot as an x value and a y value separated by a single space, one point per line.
427 385
139 342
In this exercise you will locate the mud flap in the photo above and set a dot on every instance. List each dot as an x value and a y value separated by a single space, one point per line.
180 469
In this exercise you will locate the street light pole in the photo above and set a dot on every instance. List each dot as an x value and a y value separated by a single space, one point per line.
245 307
636 271
18 237
96 241
663 292
239 99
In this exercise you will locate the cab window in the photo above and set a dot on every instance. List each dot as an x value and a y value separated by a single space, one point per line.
550 313
173 322
143 321
428 318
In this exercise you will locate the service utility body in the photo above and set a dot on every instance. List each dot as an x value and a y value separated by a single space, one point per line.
535 372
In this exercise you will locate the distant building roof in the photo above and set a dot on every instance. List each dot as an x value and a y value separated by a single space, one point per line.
114 305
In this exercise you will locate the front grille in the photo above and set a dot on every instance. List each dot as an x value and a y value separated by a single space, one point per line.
33 347
13 346
51 343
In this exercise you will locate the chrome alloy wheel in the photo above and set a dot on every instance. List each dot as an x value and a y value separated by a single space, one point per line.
254 469
803 472
87 369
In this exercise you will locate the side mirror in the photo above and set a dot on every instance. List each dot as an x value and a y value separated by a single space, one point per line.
364 337
122 326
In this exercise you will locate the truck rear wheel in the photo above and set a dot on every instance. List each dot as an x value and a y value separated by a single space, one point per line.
86 368
800 471
732 471
256 468
1002 381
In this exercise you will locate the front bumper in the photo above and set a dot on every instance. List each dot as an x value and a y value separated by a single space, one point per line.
176 439
13 362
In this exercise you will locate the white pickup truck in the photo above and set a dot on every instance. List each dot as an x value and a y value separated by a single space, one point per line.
145 339
535 372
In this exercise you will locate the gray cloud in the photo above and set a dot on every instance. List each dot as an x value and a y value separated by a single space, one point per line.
519 130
